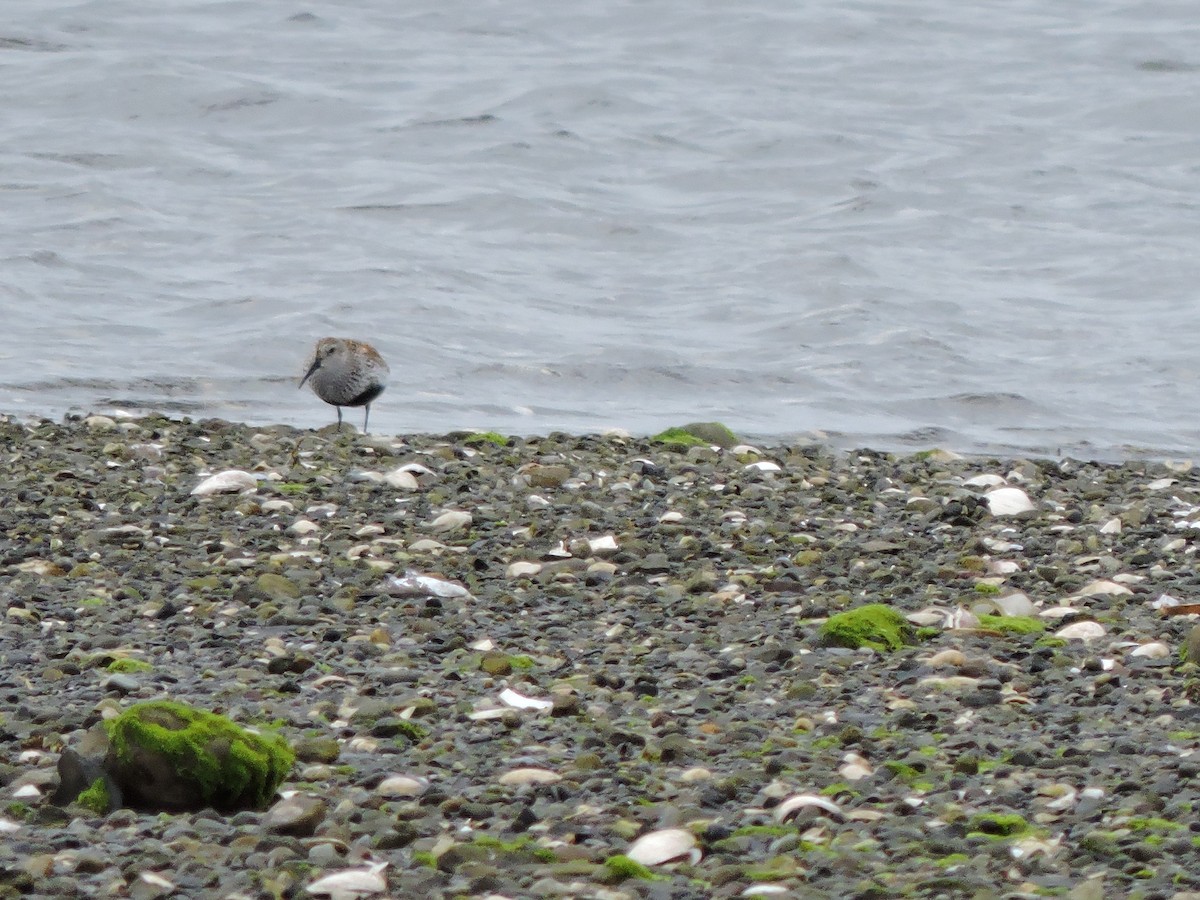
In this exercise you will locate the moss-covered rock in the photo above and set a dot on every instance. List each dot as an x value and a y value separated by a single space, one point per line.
875 625
170 757
698 434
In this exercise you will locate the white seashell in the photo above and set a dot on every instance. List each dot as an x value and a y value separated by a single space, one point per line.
667 845
1003 567
671 517
1152 650
537 501
529 775
402 786
790 807
401 480
414 585
8 827
483 645
1060 612
1081 631
765 890
1160 483
1014 604
985 481
1165 601
855 771
1066 800
228 482
484 715
154 880
1102 587
523 569
350 884
605 544
1112 526
764 465
509 697
1026 847
362 745
1008 501
415 468
999 545
927 617
27 791
451 520
952 658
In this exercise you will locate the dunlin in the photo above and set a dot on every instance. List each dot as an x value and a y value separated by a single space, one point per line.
347 373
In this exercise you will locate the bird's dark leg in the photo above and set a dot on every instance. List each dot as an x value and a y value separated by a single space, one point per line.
366 416
339 409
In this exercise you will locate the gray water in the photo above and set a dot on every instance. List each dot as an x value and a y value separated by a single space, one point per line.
919 223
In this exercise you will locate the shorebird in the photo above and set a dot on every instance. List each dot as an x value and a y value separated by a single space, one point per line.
347 373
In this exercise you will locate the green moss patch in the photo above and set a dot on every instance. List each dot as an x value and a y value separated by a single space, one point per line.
125 664
875 625
96 798
168 755
622 866
487 437
997 825
698 434
1013 624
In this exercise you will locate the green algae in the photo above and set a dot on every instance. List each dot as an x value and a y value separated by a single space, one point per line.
486 437
96 798
697 434
997 825
622 866
875 625
128 666
229 767
1013 624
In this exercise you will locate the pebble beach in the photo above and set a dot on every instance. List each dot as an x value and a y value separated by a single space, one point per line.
597 666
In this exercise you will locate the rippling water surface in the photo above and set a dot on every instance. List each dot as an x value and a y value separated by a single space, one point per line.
902 223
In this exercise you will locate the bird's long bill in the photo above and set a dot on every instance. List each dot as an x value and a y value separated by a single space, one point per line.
316 364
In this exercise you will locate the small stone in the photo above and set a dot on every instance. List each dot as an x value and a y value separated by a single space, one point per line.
297 816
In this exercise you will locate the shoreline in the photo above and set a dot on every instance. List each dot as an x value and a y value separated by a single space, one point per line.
659 610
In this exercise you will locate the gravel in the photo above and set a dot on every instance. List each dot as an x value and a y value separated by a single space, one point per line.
509 664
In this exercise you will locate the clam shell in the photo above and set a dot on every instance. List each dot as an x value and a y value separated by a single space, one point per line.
529 775
667 845
402 786
1081 631
231 481
350 884
1008 501
792 806
415 585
